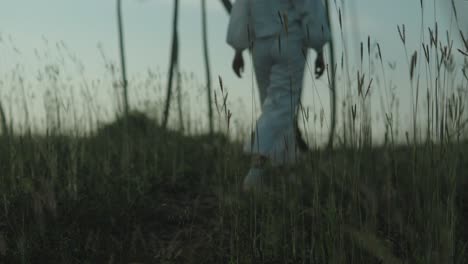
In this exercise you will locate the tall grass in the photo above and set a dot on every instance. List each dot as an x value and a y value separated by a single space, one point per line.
153 195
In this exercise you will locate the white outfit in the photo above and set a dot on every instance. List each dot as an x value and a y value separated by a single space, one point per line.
279 58
266 19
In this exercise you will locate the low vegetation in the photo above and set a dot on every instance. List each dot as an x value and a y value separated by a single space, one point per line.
134 193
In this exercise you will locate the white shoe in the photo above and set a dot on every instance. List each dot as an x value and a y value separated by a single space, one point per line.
253 179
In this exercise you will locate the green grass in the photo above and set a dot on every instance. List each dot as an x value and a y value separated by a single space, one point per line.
154 196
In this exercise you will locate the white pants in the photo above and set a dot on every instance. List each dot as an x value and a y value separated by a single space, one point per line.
279 67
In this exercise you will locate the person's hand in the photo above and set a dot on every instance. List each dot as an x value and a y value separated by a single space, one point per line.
238 64
319 65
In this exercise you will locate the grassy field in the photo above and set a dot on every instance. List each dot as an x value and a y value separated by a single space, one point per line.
154 196
132 192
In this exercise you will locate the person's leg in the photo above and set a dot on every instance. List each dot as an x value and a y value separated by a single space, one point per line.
275 135
262 63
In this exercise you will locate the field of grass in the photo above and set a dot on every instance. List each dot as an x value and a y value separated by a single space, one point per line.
154 196
132 192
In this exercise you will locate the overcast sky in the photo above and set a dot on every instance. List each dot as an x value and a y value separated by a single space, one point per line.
30 31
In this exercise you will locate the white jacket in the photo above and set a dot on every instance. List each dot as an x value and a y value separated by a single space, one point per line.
266 16
252 19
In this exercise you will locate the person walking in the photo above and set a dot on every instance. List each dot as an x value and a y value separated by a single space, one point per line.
279 34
